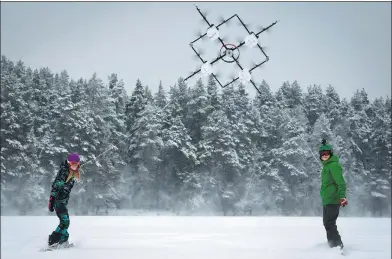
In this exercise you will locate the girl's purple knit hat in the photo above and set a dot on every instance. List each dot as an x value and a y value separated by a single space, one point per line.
73 157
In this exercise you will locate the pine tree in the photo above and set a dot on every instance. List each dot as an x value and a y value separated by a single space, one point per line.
148 94
315 103
160 97
183 184
213 95
197 112
181 180
15 155
360 128
220 156
332 106
146 179
243 126
183 100
289 96
380 172
118 95
135 106
290 160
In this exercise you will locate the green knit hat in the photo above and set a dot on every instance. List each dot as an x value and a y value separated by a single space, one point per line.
325 147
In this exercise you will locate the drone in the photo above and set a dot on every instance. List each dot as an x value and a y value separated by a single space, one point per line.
229 53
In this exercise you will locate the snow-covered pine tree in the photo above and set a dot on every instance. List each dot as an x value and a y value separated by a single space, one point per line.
16 156
220 157
136 104
183 184
380 172
266 185
197 111
214 99
148 94
332 106
111 132
314 103
118 95
290 160
146 179
160 97
290 96
360 127
179 156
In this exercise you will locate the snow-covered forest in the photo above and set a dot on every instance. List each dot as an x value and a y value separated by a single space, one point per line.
192 149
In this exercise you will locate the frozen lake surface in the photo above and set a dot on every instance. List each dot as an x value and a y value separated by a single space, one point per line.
145 237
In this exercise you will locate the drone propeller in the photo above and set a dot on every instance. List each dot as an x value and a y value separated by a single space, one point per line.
224 39
217 74
259 28
239 39
201 53
232 75
263 29
246 26
265 49
256 66
225 21
198 33
192 73
195 58
203 18
252 64
205 13
221 19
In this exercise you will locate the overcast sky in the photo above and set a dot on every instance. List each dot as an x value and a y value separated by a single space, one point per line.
347 45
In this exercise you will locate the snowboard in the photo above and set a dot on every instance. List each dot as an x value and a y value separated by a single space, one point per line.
57 247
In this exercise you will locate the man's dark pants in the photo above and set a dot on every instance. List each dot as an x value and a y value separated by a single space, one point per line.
330 215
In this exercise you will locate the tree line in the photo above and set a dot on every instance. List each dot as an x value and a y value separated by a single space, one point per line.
190 149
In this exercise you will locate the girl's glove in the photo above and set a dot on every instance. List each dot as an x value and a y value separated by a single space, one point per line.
51 204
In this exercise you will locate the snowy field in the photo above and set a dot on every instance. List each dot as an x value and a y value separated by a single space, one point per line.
101 237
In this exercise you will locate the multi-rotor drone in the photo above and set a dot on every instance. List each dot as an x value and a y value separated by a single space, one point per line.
229 53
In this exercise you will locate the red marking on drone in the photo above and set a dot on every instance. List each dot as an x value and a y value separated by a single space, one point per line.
229 44
230 50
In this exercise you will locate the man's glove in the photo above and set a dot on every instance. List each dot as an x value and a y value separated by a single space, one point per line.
51 204
343 202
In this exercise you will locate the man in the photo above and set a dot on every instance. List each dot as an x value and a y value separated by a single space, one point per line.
59 196
333 193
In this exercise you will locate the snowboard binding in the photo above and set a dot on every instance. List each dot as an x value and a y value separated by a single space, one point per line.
57 241
57 238
54 238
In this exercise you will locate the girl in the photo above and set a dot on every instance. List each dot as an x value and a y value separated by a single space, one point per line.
59 196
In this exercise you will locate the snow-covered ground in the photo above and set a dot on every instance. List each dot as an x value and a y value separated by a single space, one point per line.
111 237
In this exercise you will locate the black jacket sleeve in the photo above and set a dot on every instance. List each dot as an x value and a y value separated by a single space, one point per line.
59 181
